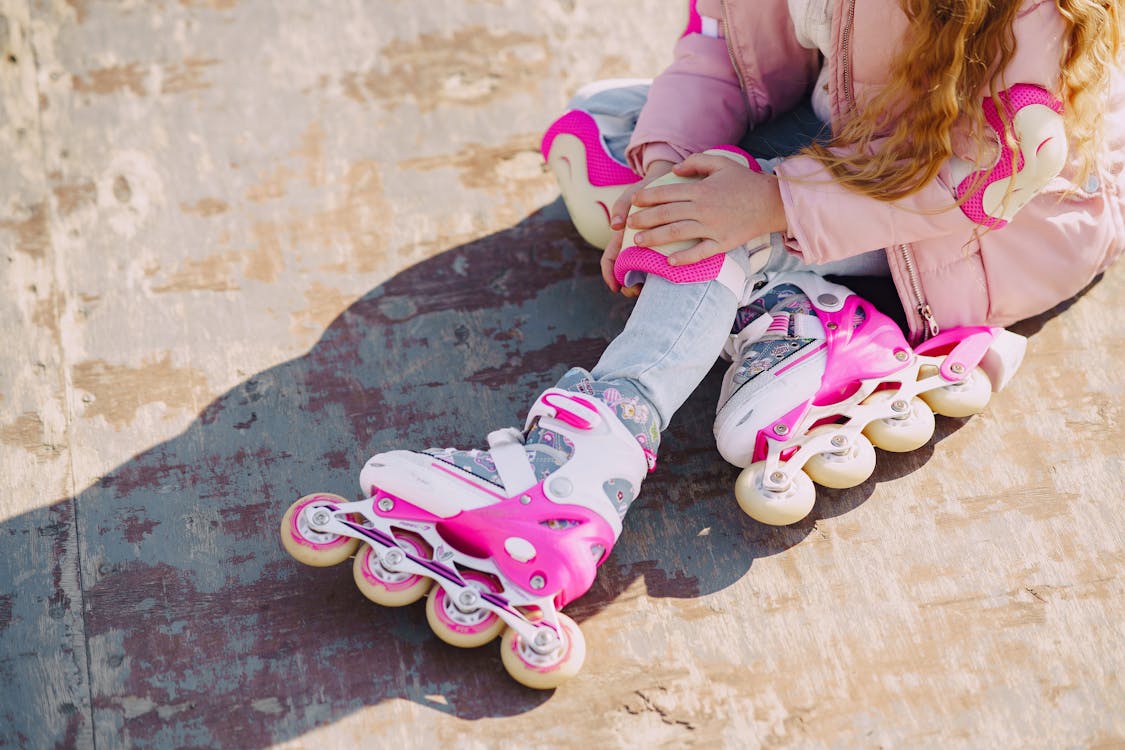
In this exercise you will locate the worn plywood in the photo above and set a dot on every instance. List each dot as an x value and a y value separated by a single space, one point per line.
246 244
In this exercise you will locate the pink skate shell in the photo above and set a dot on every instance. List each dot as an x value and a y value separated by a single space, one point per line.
961 346
1014 99
653 261
854 353
868 351
601 168
562 555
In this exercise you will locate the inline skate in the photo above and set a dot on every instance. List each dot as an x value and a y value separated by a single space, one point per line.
819 378
500 540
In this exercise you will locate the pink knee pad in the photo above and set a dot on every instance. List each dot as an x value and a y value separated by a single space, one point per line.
601 169
635 262
590 179
995 194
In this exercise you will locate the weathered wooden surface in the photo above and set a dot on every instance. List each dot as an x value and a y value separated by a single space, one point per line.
245 244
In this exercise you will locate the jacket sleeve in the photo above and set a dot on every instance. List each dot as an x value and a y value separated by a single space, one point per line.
828 221
695 104
701 100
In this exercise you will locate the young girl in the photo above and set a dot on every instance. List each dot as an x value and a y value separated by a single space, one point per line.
972 154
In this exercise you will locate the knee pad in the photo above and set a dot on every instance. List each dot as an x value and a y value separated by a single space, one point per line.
992 196
635 262
590 178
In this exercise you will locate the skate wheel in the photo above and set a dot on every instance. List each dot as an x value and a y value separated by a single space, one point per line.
544 671
963 399
900 434
774 508
841 470
388 587
315 548
464 628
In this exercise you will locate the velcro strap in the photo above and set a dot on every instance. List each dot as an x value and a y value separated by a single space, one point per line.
508 454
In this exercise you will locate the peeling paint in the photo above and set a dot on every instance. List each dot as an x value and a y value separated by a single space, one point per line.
120 390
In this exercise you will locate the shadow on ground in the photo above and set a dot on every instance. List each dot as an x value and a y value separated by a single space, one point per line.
194 628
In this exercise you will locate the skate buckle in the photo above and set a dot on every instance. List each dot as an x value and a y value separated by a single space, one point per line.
572 410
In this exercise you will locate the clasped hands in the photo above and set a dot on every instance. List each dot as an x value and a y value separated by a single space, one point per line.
723 206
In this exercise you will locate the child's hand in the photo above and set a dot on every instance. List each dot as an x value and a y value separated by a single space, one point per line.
730 205
618 214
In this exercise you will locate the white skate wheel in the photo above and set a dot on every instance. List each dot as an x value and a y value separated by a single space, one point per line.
900 434
840 470
963 399
776 508
544 671
390 588
460 626
311 547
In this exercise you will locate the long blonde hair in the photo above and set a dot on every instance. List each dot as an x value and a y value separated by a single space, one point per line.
955 50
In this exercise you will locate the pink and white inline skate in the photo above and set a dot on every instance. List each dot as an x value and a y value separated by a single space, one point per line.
819 378
499 539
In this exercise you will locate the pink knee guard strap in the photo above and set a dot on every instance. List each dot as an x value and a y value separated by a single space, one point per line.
992 196
635 262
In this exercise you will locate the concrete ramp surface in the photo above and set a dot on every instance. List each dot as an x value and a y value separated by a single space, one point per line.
246 244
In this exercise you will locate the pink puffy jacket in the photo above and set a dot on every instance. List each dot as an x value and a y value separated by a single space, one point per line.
946 270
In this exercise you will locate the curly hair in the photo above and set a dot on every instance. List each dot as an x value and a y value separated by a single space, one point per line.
955 50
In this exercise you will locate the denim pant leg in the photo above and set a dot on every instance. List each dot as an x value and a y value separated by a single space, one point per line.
671 340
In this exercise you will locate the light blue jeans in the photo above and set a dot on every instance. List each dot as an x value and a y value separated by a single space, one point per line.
672 338
677 331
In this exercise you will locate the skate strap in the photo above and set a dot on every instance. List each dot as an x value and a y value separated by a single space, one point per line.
566 407
512 464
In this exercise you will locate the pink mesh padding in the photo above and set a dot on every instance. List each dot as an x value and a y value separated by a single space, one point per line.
601 168
650 261
1014 99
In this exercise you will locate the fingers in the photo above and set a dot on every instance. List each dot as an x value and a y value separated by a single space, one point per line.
677 192
664 234
699 251
620 210
702 165
609 256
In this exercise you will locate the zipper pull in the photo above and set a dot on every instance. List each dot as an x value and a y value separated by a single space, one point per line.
927 314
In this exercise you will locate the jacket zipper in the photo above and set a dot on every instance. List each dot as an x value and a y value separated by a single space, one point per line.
845 48
730 52
922 307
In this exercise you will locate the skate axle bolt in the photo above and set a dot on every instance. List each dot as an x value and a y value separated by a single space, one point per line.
839 442
899 406
392 558
537 582
957 368
781 429
544 641
467 600
321 517
386 504
777 477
